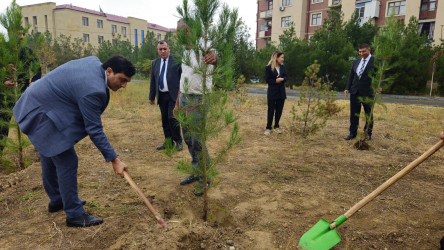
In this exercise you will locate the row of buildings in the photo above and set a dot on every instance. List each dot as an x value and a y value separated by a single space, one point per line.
274 16
92 26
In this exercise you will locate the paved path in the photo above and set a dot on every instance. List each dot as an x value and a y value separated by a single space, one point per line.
415 100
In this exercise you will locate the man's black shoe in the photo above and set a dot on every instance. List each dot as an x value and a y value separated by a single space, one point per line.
368 137
84 220
179 146
161 147
350 136
189 179
52 208
199 191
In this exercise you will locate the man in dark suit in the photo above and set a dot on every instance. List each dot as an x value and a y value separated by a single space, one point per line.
61 109
165 78
359 87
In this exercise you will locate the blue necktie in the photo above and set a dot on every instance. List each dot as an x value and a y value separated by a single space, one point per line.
162 73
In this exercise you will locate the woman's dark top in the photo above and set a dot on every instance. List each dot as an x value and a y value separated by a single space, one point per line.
275 90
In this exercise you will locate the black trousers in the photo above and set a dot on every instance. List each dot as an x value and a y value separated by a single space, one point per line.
170 125
275 108
355 110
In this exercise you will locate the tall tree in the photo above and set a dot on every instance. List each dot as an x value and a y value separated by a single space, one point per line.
332 49
359 33
207 115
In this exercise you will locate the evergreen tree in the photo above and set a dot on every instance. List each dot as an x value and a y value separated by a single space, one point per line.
206 118
357 33
298 56
332 49
19 66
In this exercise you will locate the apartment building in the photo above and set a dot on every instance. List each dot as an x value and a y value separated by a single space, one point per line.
92 26
274 16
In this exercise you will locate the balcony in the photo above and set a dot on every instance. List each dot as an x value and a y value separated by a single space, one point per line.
266 14
265 33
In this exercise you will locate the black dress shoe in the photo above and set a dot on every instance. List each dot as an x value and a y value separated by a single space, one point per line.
199 191
52 208
84 220
189 179
179 146
350 136
161 147
368 137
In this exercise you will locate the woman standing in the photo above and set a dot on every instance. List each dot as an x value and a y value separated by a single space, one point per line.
275 76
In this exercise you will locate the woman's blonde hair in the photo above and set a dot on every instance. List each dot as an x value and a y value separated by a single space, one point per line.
273 60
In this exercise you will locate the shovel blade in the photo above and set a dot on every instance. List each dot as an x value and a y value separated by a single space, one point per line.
320 237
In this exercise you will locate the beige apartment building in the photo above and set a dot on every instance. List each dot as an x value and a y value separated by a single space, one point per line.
274 16
93 27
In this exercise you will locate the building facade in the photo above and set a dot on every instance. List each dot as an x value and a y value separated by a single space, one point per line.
274 16
93 27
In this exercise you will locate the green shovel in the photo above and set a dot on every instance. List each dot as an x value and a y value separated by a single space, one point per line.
323 235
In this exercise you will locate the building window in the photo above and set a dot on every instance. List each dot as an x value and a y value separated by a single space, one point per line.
26 22
85 21
270 5
360 10
316 19
429 5
159 36
285 21
135 37
114 42
114 29
34 21
317 1
46 22
100 39
124 31
86 38
99 24
427 29
287 2
142 36
396 8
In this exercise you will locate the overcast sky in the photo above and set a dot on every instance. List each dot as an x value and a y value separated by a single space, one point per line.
161 12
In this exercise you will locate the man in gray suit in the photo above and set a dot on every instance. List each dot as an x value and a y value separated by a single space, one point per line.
165 77
61 109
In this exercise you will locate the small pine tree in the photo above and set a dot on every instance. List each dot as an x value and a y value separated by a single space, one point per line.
318 101
19 65
201 36
386 46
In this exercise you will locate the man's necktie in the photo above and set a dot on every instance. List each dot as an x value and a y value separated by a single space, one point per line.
362 68
162 73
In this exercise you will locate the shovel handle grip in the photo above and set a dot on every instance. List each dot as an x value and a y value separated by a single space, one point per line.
144 199
394 179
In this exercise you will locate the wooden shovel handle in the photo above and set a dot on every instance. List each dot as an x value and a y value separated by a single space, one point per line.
144 199
394 179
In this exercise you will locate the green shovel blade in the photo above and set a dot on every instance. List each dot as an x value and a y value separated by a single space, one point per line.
320 237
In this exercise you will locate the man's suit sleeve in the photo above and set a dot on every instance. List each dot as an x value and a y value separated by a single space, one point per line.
152 95
350 78
90 106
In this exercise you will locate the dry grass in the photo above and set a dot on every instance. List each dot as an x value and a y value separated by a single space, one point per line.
270 191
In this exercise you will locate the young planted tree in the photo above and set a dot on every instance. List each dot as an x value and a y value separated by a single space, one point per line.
19 67
318 102
206 116
386 46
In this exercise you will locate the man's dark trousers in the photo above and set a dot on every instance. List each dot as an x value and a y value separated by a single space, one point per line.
170 125
356 101
59 174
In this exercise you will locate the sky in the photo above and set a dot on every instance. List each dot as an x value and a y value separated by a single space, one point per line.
161 12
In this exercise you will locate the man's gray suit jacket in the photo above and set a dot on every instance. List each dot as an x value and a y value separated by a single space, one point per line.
65 106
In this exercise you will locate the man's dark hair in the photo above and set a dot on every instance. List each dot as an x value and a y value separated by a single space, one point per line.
162 42
364 46
120 64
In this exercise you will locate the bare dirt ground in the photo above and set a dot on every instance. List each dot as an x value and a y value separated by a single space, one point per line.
270 190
